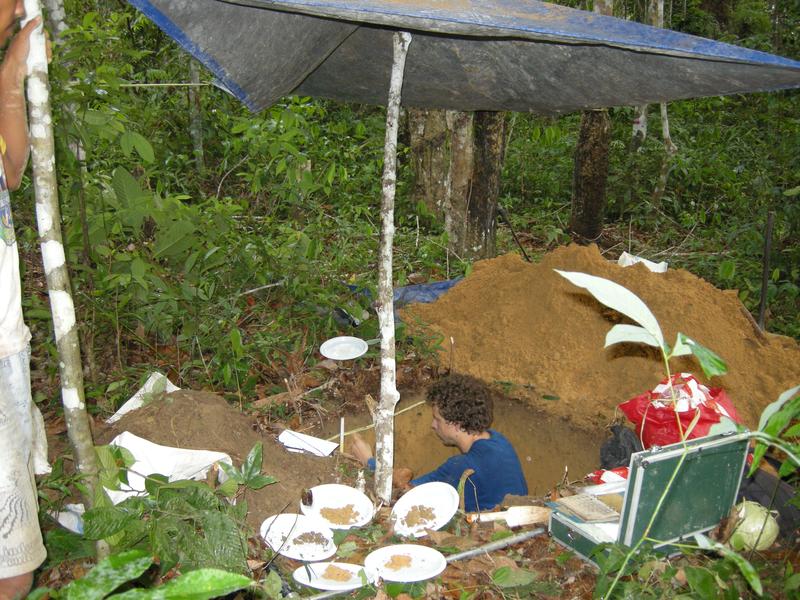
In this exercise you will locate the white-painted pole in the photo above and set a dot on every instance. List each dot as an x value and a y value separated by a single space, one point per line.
384 415
48 218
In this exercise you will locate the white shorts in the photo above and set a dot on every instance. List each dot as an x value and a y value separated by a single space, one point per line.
21 547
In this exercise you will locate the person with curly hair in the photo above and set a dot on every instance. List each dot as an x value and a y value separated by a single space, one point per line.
462 416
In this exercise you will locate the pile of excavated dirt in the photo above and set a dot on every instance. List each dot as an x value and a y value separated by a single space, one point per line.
523 324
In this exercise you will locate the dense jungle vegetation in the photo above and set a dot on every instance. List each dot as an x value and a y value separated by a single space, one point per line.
226 272
161 250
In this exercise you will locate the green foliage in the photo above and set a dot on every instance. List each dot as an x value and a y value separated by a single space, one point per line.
126 567
249 475
778 424
184 523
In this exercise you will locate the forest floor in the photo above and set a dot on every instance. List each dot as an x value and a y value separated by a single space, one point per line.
540 341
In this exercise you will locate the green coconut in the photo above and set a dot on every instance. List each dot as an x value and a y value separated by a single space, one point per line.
756 529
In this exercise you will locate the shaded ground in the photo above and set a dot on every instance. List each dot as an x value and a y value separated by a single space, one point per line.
537 337
205 421
523 325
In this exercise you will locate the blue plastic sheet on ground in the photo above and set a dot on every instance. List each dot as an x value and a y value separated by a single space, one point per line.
420 292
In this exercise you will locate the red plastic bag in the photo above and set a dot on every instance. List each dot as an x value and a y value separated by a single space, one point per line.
653 413
608 475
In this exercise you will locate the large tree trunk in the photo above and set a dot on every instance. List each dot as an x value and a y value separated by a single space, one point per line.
478 237
389 396
590 172
458 158
590 176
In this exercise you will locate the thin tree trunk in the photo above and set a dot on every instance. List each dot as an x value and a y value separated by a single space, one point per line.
196 117
670 149
389 396
590 173
49 224
56 17
638 137
56 24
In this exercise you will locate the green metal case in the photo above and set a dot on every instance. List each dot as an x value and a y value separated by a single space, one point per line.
702 493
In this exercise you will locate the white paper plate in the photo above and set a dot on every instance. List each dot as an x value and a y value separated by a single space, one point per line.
344 347
313 575
440 498
336 496
425 562
281 532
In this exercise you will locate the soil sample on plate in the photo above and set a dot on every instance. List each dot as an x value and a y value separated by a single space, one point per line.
310 537
341 516
335 573
398 562
419 515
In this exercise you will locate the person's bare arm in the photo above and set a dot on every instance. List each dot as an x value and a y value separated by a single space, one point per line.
360 449
13 117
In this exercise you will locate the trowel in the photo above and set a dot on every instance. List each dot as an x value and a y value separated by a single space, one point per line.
514 516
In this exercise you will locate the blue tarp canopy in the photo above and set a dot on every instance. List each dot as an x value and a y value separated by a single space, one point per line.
519 55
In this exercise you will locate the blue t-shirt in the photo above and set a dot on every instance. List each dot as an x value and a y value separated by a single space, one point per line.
497 473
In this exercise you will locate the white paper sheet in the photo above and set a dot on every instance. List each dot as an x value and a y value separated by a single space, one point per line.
300 442
155 384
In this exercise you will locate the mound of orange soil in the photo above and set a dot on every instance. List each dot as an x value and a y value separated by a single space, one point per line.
523 324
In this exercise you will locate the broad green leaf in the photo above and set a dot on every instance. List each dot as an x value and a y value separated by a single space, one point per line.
273 585
745 568
259 481
143 147
741 563
139 269
727 269
792 432
175 240
252 464
792 583
114 464
701 581
64 545
201 584
238 351
774 407
227 547
108 575
232 472
506 577
126 188
792 191
229 488
618 298
168 537
775 418
126 143
102 522
710 362
630 333
680 348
